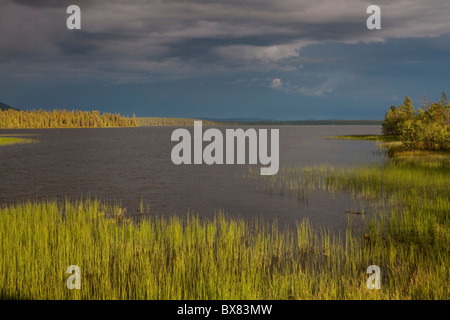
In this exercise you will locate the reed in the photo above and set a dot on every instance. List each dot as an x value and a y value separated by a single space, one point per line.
409 237
9 141
224 258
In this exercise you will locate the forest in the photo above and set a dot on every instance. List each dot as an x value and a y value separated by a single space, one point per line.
13 119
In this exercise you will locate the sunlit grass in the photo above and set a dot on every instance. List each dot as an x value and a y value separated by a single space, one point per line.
395 151
410 233
157 258
224 258
9 141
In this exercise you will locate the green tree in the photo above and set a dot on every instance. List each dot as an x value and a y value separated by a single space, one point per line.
427 129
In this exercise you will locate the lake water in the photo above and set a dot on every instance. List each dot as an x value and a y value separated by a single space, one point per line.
130 164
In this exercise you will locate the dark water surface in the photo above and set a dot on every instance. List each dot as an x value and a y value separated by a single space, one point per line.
130 164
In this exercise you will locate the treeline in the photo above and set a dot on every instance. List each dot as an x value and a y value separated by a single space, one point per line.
154 121
12 119
427 128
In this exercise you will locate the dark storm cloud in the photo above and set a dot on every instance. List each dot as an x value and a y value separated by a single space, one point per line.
84 43
51 3
184 37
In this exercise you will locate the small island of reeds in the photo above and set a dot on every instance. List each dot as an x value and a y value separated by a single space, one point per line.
5 141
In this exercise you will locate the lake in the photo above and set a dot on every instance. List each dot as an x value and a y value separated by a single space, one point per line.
131 164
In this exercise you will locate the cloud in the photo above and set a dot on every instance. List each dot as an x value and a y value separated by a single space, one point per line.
147 39
265 54
317 91
276 83
51 3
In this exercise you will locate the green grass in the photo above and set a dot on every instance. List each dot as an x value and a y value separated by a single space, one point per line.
4 141
160 258
395 150
409 236
224 258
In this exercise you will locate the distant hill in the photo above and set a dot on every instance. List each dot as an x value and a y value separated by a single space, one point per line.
158 121
322 122
6 107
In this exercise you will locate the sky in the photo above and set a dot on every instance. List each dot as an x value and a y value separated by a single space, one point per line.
266 59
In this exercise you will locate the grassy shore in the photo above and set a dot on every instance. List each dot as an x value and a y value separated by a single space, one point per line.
4 141
409 238
223 258
393 147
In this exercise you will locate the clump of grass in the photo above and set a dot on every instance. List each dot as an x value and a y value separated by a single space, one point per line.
4 141
410 233
395 150
158 258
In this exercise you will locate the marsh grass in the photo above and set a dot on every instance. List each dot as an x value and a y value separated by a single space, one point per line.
4 141
395 150
410 236
157 258
224 258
